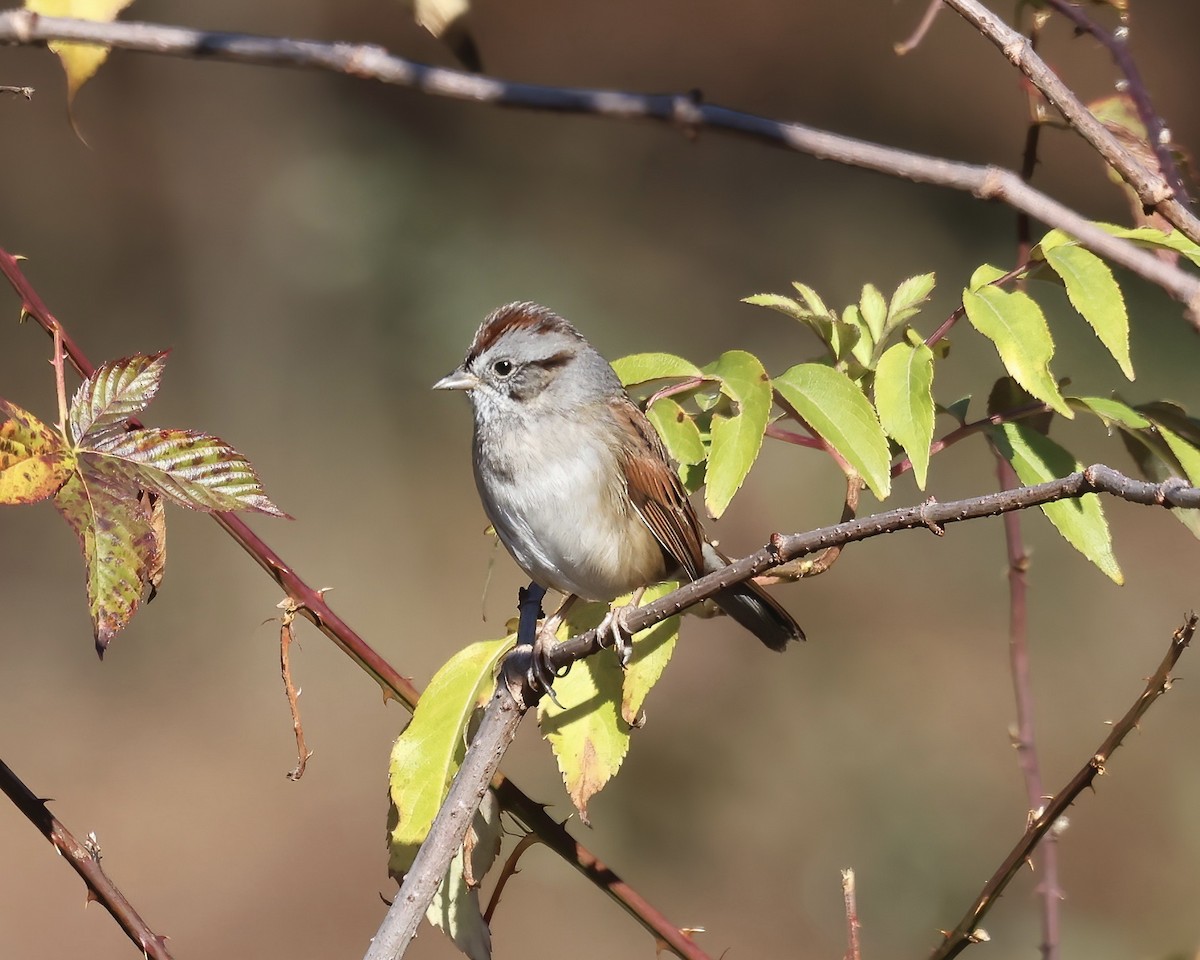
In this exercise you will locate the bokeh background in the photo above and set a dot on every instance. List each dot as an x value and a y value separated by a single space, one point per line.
317 250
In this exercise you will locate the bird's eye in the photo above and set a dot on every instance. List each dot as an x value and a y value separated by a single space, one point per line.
502 368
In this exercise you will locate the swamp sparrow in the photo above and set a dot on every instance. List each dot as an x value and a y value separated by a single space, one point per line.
575 479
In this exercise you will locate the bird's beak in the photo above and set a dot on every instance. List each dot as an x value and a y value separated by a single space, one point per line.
459 379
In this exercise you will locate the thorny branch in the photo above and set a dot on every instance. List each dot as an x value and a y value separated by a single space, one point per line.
84 859
967 931
514 694
687 112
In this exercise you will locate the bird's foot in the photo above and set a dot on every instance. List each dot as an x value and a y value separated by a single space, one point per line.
613 625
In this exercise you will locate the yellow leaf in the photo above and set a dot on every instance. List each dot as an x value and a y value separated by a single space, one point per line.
79 60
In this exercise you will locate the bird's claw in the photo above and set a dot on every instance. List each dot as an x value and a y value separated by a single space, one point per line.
614 626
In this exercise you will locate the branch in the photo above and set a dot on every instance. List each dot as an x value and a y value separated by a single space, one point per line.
682 110
515 694
1150 186
1116 43
966 932
311 604
84 859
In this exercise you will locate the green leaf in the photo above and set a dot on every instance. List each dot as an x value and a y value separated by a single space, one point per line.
985 275
1156 463
853 337
780 304
455 907
34 461
678 430
735 439
811 299
192 469
1187 455
874 310
588 733
118 547
115 392
1110 411
908 299
958 409
427 755
1156 239
904 399
643 367
1016 325
836 408
1094 292
1037 459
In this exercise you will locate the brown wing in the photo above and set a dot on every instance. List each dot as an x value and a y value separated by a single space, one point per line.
655 490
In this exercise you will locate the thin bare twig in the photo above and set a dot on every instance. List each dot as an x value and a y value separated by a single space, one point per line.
1025 733
966 932
850 898
1150 185
1116 42
312 605
84 859
914 39
26 92
303 754
680 110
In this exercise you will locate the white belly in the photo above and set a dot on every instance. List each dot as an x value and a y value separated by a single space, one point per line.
566 525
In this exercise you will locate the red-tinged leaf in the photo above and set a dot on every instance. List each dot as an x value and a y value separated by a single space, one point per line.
192 469
117 543
33 460
117 391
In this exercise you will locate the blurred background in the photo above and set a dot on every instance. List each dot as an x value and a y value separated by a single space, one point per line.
317 250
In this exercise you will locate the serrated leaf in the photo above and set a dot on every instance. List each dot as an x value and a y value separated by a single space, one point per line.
427 755
874 311
780 304
735 439
1094 292
455 907
1037 459
904 399
908 299
1156 463
1156 239
1016 325
811 299
79 60
117 543
587 733
643 367
193 469
853 337
1187 455
836 408
34 461
1110 411
678 430
115 392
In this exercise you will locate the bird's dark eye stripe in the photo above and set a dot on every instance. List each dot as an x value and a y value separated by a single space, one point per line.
554 361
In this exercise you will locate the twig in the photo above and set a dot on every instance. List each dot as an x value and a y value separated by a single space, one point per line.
805 567
1117 44
311 604
26 92
1025 736
854 948
303 754
516 694
84 859
975 426
374 63
914 39
966 932
1150 186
